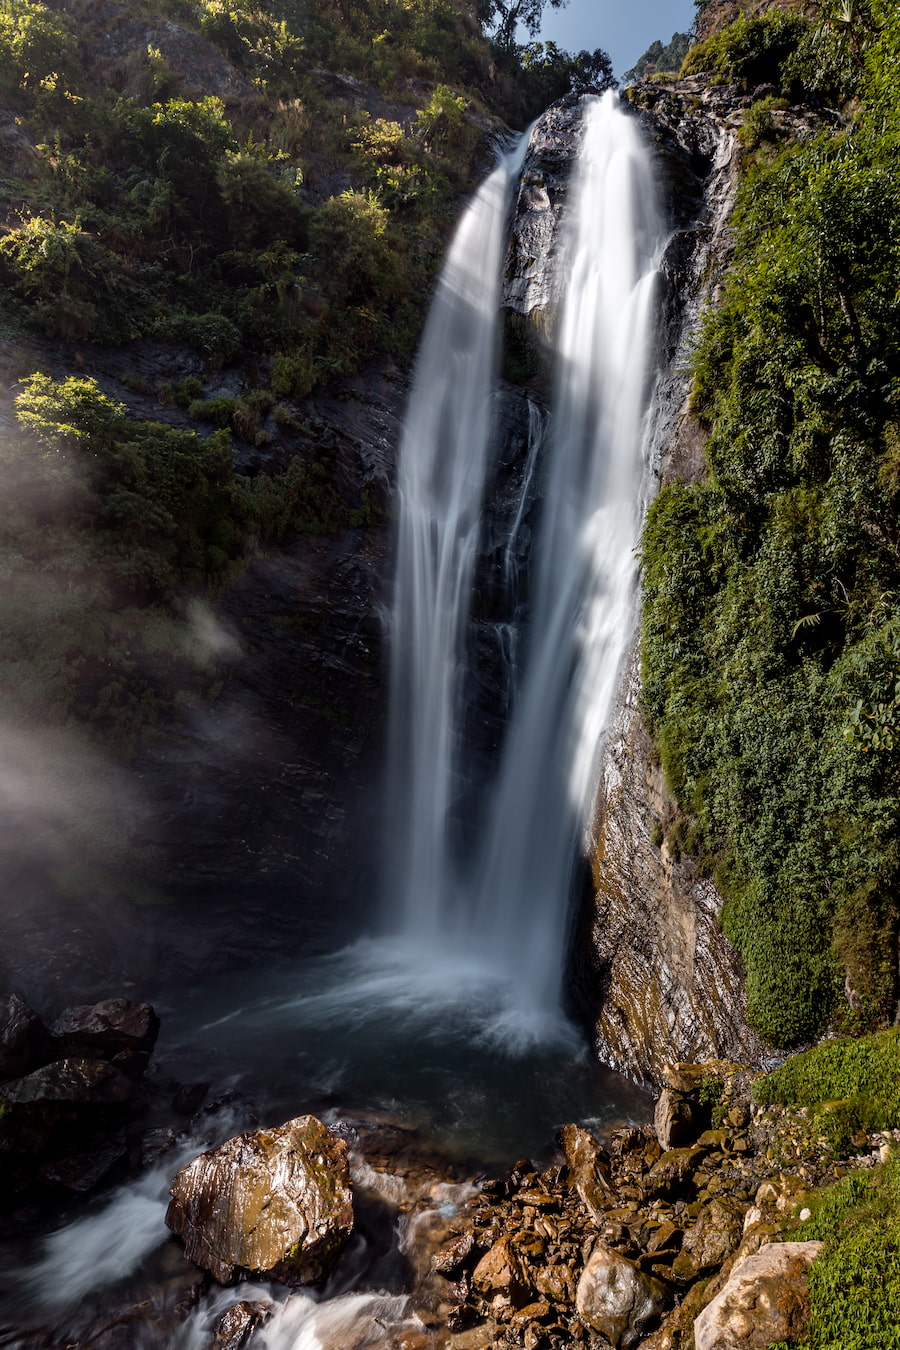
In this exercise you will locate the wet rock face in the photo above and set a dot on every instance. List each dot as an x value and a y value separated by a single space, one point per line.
273 1203
666 984
22 1037
764 1300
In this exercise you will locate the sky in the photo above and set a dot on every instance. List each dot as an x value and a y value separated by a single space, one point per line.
625 30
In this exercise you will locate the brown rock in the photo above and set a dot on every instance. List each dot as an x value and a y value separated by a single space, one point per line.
107 1027
617 1299
764 1300
675 1120
711 1240
673 1175
500 1271
232 1331
273 1202
588 1164
449 1259
684 1078
556 1283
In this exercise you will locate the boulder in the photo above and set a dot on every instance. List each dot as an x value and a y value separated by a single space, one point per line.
588 1164
451 1257
710 1241
500 1273
106 1028
70 1082
673 1175
234 1327
22 1037
675 1120
764 1300
272 1203
617 1299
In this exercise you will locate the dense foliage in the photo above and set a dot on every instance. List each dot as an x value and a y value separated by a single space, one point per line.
264 191
851 1084
771 640
660 57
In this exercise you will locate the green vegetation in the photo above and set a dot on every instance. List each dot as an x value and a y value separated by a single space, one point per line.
659 58
850 1084
218 187
105 522
854 1283
772 618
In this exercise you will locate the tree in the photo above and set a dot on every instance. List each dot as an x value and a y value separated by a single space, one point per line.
552 72
502 18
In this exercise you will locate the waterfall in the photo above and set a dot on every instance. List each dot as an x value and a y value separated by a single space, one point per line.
441 478
506 904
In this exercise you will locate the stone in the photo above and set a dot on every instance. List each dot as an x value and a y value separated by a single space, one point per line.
107 1027
617 1299
500 1271
70 1082
589 1173
556 1283
673 1175
764 1300
79 1169
274 1203
234 1327
710 1241
683 1078
675 1120
450 1258
22 1037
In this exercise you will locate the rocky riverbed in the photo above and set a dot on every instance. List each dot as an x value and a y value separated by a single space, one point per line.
661 1237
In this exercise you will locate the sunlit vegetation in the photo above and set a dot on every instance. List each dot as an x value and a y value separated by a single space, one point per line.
771 640
226 193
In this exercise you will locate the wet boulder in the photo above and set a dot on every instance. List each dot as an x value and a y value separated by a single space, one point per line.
23 1037
273 1203
69 1082
61 1126
764 1300
500 1275
237 1323
106 1029
616 1298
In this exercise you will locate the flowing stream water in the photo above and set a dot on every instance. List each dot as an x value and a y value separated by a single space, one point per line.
449 1019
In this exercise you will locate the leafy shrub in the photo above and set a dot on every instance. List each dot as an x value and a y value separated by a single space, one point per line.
754 49
214 336
37 48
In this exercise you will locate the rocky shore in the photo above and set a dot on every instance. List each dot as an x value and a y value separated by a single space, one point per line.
675 1235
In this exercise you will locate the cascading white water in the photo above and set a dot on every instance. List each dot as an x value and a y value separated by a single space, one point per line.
443 461
511 907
